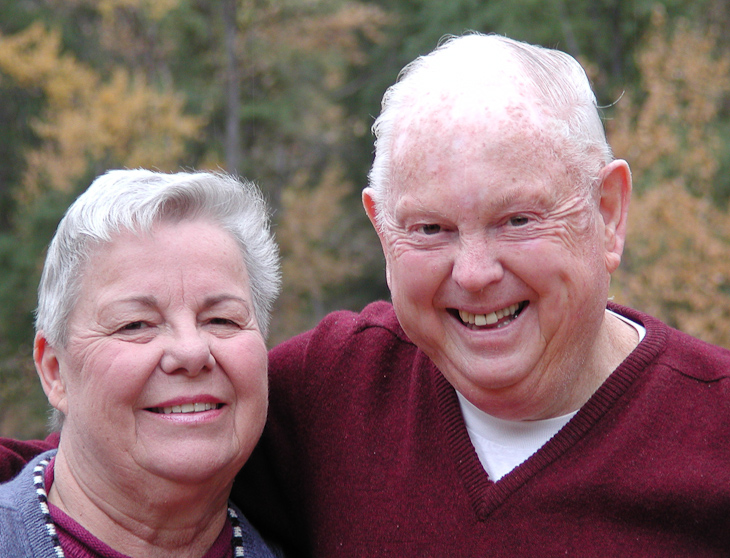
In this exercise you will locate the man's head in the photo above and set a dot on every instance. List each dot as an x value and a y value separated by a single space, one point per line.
502 216
489 68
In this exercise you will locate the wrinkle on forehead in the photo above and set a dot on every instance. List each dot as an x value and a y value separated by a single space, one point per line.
432 136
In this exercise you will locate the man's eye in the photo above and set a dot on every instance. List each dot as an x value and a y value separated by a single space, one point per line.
430 229
133 326
518 221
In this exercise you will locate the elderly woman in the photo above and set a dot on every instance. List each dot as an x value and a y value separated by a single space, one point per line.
153 308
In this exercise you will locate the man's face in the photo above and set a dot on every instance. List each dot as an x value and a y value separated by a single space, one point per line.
495 257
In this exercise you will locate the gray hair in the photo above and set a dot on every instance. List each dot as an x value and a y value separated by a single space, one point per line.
136 200
469 62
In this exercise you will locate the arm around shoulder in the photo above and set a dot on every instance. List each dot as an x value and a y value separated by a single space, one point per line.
14 454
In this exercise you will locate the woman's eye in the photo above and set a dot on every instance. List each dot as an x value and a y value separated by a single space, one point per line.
222 321
430 229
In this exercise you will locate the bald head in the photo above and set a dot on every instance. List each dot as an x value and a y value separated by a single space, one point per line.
474 81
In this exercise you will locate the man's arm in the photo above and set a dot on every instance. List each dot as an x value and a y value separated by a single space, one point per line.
14 454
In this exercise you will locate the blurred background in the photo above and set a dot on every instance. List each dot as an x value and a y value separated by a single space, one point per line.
284 92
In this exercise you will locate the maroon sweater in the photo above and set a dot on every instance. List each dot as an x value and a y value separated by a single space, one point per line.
366 454
367 445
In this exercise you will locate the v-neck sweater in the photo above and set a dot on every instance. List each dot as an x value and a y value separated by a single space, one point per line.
367 449
366 454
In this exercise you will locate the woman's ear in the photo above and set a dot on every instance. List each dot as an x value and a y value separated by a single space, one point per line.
615 192
49 371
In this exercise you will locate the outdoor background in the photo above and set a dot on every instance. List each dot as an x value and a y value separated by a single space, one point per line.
284 92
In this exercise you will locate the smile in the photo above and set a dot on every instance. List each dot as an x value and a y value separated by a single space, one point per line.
499 318
187 408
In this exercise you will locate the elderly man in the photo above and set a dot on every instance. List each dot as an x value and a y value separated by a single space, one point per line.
501 406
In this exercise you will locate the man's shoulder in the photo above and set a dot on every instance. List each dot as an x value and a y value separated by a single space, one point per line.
343 328
695 358
376 315
679 351
14 454
359 344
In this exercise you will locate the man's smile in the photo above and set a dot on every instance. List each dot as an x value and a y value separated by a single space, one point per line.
496 319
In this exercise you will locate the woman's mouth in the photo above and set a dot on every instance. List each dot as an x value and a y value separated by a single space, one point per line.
186 408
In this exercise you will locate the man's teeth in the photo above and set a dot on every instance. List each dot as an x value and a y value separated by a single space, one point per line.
487 319
188 408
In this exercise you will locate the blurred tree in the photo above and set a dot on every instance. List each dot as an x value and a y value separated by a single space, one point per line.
87 120
80 123
22 402
284 92
314 258
676 265
295 138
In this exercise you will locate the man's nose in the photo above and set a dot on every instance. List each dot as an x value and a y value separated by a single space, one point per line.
476 264
187 352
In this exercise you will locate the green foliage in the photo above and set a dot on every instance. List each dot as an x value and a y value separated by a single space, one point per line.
143 82
17 108
675 262
33 228
22 402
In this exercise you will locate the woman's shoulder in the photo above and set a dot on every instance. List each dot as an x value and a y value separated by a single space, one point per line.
20 515
22 483
253 543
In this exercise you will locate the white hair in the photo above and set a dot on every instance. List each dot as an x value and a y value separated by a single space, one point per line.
136 200
465 65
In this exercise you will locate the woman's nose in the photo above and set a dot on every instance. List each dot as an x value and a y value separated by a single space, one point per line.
187 352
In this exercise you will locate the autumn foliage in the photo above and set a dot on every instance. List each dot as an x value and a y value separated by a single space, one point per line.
115 121
676 263
284 92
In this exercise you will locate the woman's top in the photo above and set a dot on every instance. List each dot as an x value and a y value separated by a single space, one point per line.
32 527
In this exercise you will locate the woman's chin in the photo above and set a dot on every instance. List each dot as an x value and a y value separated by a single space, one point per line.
196 466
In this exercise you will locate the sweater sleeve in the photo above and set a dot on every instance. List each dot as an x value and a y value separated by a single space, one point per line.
261 489
14 454
301 371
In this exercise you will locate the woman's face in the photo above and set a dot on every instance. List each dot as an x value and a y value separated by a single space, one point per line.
165 368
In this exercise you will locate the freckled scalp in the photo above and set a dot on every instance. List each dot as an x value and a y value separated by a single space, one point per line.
483 66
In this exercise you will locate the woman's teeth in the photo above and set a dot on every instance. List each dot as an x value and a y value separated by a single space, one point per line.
187 408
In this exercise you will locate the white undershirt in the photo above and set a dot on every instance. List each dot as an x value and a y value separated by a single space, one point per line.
503 444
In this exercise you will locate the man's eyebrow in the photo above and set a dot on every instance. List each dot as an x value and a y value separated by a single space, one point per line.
412 203
516 194
506 198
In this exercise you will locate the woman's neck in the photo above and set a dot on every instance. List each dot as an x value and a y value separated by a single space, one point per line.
143 516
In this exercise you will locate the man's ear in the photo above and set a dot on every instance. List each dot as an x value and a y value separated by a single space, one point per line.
49 371
615 192
368 202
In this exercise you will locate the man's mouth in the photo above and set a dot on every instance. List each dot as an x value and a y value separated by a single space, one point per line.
186 408
493 320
